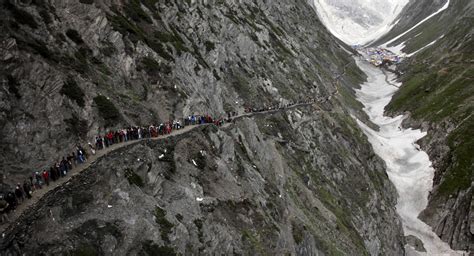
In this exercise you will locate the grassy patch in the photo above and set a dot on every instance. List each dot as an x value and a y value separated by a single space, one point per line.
278 45
21 16
45 16
343 222
107 110
134 10
461 143
150 4
209 46
434 95
298 233
135 33
133 178
152 67
252 239
165 225
40 48
76 126
85 250
349 98
73 92
74 36
151 249
198 223
108 50
79 62
121 24
172 38
13 86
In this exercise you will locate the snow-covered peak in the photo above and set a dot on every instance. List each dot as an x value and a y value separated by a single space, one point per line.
359 21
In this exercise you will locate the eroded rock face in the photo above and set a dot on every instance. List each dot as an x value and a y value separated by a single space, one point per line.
450 215
236 190
302 182
154 62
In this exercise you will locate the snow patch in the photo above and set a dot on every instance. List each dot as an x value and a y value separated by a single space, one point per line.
397 49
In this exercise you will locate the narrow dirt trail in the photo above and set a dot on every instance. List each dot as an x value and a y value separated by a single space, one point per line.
38 194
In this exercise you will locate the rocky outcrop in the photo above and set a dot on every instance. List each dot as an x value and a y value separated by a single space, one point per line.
450 215
301 182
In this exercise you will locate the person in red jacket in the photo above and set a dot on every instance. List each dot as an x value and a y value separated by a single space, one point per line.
46 177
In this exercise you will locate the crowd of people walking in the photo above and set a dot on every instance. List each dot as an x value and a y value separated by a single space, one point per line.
10 200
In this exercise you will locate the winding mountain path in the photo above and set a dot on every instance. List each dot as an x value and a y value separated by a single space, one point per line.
38 194
100 153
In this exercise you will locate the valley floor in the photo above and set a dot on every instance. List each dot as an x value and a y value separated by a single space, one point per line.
408 167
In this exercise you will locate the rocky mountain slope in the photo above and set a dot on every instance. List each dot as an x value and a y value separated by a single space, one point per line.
438 93
303 181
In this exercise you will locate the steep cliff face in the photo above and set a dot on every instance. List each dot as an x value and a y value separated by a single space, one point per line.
437 91
302 181
153 61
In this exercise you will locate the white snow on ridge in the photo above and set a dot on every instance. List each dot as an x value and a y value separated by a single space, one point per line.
445 6
397 49
359 21
424 47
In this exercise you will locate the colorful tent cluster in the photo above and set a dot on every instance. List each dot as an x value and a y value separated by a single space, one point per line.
379 56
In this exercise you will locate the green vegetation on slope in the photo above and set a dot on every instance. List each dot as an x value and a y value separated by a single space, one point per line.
107 110
73 92
440 91
165 225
